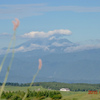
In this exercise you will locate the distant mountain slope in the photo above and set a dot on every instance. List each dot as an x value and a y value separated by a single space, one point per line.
81 66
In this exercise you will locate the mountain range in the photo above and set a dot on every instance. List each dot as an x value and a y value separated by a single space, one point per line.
61 62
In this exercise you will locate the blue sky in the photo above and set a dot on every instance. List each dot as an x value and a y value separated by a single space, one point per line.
81 17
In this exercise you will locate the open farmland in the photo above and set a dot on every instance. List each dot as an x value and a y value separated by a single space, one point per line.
72 95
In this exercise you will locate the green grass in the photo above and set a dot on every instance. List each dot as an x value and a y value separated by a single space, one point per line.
79 96
65 95
18 88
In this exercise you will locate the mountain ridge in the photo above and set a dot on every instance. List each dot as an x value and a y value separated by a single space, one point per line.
81 66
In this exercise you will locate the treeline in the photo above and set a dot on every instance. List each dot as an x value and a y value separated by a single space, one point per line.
11 84
58 86
38 95
72 87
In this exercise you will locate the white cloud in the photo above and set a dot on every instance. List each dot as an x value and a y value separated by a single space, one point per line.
31 47
82 47
19 49
51 38
42 34
69 49
61 31
36 46
61 44
26 10
19 10
33 34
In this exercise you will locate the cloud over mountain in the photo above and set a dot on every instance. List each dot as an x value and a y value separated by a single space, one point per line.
36 34
82 47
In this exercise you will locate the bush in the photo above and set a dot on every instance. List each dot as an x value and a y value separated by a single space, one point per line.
3 95
9 95
18 95
16 98
42 97
57 97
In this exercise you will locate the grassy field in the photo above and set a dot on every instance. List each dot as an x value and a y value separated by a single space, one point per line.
18 88
65 95
80 96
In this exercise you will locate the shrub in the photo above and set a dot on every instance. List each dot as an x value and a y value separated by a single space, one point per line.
42 97
9 95
16 98
57 97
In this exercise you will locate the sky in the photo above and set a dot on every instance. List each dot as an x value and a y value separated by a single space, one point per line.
79 20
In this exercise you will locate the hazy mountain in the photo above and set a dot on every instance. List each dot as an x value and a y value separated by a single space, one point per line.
58 65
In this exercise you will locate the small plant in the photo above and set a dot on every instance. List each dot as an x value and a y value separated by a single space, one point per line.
39 67
12 42
16 98
16 24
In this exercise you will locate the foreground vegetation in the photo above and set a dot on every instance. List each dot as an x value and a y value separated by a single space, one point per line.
17 92
45 94
58 86
49 91
39 95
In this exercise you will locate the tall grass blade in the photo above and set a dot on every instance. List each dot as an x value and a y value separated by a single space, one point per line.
7 73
